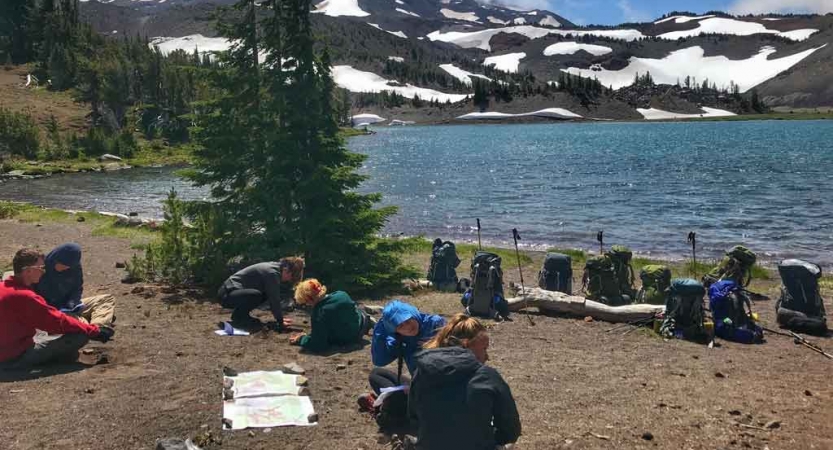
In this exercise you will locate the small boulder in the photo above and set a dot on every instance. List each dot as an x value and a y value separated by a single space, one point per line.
120 265
341 367
648 436
293 368
108 157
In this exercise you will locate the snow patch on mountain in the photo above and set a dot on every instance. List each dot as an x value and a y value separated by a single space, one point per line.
507 63
721 25
189 43
570 48
497 21
396 58
467 16
358 81
395 33
691 61
549 21
480 39
552 113
658 114
337 8
462 75
407 12
519 21
682 19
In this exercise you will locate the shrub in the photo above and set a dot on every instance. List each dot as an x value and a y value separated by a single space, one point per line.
19 135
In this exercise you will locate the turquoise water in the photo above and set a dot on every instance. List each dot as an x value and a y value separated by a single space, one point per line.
765 184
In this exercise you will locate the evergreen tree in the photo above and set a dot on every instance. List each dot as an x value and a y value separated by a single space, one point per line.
281 179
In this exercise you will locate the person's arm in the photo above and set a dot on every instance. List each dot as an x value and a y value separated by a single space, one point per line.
383 347
507 422
75 296
47 318
318 338
272 289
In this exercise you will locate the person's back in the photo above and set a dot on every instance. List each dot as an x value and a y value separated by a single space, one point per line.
263 276
455 400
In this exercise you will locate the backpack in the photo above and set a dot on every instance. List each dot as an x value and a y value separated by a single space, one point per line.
736 266
729 305
801 307
656 280
684 315
557 273
443 262
487 285
621 257
600 283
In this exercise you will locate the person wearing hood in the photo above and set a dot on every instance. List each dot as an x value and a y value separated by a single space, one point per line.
402 330
458 402
62 286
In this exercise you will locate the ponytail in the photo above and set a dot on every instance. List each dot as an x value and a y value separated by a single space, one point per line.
459 331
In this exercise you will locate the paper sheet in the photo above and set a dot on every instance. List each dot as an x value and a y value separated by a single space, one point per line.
260 412
387 392
229 330
263 384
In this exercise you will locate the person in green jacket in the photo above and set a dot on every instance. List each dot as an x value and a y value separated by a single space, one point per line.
336 320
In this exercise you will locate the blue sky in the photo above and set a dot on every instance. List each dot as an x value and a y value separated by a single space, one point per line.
611 12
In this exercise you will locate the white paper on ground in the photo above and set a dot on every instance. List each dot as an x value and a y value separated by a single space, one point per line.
387 392
229 330
264 384
261 412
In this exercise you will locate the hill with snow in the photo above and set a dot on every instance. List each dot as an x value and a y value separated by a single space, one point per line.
436 50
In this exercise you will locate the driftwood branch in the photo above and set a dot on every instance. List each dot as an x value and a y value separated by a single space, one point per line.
559 302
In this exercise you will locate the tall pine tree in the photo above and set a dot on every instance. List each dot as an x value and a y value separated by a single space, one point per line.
281 178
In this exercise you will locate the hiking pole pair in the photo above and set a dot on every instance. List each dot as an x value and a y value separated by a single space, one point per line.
798 339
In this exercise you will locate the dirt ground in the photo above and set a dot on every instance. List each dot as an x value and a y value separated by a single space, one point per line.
39 102
576 385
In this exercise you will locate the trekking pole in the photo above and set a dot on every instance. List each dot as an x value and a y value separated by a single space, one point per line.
600 238
479 247
692 239
517 237
800 340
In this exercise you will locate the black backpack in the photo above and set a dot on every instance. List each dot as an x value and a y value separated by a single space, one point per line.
557 273
487 282
443 262
621 257
800 307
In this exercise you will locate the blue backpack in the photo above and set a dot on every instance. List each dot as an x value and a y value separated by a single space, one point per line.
731 319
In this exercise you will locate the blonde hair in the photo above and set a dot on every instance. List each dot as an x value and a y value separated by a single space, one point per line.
309 291
295 266
459 331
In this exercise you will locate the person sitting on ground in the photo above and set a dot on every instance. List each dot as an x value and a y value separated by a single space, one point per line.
401 332
335 318
23 312
258 284
458 401
63 284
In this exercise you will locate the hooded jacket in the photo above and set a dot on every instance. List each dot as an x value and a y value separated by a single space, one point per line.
63 289
385 346
460 403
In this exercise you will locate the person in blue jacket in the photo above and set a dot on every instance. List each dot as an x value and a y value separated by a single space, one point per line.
402 330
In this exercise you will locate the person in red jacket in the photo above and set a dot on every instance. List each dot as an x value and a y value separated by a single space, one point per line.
23 312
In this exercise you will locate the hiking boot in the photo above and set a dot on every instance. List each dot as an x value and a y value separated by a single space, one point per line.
366 401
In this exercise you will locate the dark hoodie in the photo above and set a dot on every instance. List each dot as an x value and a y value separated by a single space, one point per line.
461 404
63 289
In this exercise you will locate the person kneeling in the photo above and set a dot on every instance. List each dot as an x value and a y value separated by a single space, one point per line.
458 402
258 284
335 319
23 312
62 285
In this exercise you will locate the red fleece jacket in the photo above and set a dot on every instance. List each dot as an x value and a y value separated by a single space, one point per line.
22 312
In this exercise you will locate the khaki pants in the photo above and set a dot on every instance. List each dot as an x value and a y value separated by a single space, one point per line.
98 310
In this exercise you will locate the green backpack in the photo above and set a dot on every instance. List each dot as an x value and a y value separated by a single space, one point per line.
684 312
621 257
656 280
736 266
599 281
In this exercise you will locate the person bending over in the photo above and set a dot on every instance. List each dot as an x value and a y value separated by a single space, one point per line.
458 402
335 318
401 332
62 285
258 284
23 312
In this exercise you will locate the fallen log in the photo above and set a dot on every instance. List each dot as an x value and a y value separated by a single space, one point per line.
562 303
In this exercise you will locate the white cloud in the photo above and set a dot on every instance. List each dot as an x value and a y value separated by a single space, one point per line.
774 6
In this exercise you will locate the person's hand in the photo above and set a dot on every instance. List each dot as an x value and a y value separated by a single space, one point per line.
295 339
105 333
287 322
